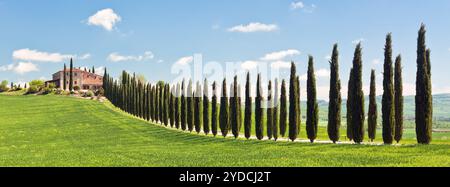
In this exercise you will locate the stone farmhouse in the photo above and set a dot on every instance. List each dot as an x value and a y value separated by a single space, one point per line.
84 79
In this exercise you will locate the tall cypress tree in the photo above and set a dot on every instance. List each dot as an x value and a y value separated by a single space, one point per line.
65 81
214 110
373 114
297 105
293 108
157 97
334 107
283 109
358 115
388 94
275 112
183 107
172 106
223 116
206 127
269 111
234 103
177 106
190 107
248 108
350 106
423 98
149 99
198 108
312 108
71 76
258 110
398 99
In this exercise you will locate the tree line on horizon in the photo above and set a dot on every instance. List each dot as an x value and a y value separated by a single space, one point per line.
182 107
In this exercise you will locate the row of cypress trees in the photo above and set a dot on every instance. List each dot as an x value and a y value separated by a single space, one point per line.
184 108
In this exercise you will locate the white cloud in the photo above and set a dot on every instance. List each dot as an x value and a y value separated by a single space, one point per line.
34 55
297 5
249 65
280 64
279 55
116 57
254 27
100 70
185 60
376 61
358 41
85 56
20 68
105 18
321 73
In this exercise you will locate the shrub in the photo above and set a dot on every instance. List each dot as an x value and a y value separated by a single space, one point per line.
88 94
100 92
32 89
76 88
4 86
47 90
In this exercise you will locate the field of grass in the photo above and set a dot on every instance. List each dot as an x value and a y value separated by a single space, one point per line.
64 131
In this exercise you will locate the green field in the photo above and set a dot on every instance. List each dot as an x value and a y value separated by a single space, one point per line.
65 131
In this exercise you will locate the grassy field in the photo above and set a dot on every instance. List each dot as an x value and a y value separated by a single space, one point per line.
64 131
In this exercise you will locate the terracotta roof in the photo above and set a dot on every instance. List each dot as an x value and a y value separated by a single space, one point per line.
79 70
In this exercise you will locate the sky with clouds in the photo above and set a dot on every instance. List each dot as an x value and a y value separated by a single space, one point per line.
149 37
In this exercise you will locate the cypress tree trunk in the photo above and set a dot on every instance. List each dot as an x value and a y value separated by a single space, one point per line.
358 115
293 92
269 111
198 108
65 81
398 99
334 107
234 106
388 94
190 107
283 109
71 76
224 118
258 110
214 110
423 91
275 112
312 108
248 108
205 107
373 114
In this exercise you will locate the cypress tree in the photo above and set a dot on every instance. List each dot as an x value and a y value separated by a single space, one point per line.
206 128
71 76
293 108
223 116
269 111
248 108
239 107
358 115
297 105
214 110
275 112
334 107
349 106
177 106
198 108
149 99
234 106
312 108
172 106
423 98
373 114
258 110
183 107
398 99
190 107
65 81
388 94
154 103
283 109
93 69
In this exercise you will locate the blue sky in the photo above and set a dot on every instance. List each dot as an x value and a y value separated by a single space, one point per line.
149 37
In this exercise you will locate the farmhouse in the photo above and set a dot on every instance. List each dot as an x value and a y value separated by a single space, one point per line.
84 79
